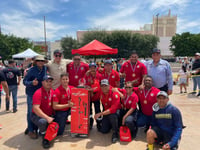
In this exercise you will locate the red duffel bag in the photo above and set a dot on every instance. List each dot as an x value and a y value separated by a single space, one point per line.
125 134
52 131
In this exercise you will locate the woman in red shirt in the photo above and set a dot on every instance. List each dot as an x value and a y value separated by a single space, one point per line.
128 112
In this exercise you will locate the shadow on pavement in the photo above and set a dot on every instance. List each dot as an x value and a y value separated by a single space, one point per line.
23 142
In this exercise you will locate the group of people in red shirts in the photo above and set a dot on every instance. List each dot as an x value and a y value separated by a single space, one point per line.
130 106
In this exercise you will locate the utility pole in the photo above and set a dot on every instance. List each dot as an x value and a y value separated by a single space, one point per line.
157 24
45 41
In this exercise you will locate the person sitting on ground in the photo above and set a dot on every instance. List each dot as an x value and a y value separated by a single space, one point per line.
62 102
128 112
166 125
42 112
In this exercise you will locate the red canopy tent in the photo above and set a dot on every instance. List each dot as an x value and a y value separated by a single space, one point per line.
95 48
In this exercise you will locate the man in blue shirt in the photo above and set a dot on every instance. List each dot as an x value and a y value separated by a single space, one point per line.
33 81
160 71
166 125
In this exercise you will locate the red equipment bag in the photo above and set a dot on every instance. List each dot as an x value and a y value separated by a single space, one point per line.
52 131
125 134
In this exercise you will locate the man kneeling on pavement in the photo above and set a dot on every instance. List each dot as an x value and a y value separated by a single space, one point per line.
166 125
42 113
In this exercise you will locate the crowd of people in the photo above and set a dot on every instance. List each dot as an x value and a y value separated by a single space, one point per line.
133 94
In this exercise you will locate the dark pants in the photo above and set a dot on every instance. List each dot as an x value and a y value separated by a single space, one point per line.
143 120
109 122
164 88
60 118
12 89
130 121
41 123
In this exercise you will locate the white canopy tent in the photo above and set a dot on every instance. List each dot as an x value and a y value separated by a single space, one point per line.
29 53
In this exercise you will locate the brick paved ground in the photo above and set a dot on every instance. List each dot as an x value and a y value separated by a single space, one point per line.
14 124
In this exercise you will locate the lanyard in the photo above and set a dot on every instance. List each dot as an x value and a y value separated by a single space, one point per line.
126 100
146 94
49 95
76 70
133 69
68 92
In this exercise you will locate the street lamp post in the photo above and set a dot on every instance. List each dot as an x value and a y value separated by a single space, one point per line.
157 24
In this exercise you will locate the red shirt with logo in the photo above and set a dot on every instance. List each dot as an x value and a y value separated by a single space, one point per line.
62 96
44 99
134 72
76 73
112 78
147 101
129 101
94 83
110 101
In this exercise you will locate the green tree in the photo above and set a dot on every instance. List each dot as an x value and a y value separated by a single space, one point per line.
67 44
10 45
185 44
125 41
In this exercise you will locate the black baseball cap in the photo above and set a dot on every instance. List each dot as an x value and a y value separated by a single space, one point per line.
46 77
156 50
57 51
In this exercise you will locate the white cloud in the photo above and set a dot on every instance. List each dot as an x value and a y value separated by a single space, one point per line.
38 6
22 25
168 3
122 17
184 25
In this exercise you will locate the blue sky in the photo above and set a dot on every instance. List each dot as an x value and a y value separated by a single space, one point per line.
24 18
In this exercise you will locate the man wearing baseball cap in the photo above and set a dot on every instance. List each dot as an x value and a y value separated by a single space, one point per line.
166 125
160 71
111 103
42 107
93 86
110 74
57 66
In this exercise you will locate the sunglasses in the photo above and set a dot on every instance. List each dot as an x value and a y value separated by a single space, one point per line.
77 59
57 55
128 87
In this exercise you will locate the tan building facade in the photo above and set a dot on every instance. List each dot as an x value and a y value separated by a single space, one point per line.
164 26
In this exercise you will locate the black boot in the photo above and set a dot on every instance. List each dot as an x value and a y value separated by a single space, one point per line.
115 137
91 122
45 144
98 124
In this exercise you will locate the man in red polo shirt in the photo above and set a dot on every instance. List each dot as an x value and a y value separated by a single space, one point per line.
93 86
62 102
133 70
111 103
76 70
147 98
42 107
110 74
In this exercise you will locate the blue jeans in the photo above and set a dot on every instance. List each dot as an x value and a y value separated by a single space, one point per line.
60 118
143 120
41 123
196 81
31 126
12 89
